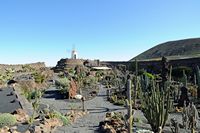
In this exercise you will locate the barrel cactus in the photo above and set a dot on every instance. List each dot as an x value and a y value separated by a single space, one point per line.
7 120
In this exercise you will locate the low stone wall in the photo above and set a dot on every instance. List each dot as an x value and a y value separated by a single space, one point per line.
18 67
65 64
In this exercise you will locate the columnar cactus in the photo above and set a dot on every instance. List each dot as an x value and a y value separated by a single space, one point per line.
198 81
129 106
145 82
165 71
136 82
184 79
154 107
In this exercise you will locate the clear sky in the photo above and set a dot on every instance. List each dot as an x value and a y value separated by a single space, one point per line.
45 30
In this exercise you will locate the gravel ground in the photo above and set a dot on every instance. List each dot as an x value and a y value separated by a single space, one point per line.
97 108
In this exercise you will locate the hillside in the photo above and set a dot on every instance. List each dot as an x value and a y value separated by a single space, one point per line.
176 49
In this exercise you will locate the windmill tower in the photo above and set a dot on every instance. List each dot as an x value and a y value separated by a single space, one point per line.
74 53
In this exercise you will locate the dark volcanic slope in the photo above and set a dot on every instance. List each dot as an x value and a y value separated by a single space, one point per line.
187 47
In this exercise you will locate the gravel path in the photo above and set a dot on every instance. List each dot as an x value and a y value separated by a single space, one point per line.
97 108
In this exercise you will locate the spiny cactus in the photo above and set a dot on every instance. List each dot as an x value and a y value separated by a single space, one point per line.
154 107
7 120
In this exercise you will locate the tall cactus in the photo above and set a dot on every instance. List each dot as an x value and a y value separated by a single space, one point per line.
136 82
145 82
129 106
154 107
198 81
165 71
184 79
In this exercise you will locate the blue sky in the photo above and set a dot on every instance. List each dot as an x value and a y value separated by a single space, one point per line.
45 30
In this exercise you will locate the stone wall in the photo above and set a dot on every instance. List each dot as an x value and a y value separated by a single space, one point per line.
156 64
18 67
65 64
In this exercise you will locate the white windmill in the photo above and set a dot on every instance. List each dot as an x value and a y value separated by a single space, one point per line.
74 53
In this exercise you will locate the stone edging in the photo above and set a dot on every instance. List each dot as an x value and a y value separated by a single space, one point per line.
27 106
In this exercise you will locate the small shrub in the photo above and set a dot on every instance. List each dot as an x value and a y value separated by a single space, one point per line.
113 98
7 120
32 94
63 118
120 102
149 75
39 78
63 84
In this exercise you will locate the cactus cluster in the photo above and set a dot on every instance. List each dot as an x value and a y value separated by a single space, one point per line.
155 97
7 119
156 105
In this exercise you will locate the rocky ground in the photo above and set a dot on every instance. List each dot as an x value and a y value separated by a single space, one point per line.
97 108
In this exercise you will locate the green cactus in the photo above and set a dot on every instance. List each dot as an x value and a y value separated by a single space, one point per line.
63 118
129 107
144 79
39 78
7 120
35 105
154 107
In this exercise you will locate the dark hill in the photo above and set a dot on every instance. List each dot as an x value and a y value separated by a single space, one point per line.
176 49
